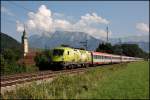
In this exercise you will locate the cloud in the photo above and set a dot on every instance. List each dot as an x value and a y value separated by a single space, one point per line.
93 18
142 27
62 25
19 27
85 22
6 11
43 21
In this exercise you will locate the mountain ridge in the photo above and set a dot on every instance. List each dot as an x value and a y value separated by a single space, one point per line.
7 42
68 38
74 38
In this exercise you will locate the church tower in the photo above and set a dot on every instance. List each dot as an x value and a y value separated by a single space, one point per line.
25 43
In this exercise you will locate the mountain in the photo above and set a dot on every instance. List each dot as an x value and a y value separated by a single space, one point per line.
63 37
141 41
143 38
74 38
143 45
8 42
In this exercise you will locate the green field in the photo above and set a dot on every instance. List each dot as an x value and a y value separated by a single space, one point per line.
118 81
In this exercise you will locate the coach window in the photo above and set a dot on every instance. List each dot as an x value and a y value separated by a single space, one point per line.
94 56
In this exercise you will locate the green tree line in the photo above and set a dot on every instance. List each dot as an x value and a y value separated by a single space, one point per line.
132 50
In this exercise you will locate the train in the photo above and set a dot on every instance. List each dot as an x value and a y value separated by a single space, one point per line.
68 57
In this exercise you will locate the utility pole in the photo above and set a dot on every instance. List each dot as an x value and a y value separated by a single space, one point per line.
107 34
85 44
120 49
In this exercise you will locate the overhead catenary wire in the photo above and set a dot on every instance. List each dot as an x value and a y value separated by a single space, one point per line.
21 6
14 16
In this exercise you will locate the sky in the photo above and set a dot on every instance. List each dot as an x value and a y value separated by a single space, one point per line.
123 18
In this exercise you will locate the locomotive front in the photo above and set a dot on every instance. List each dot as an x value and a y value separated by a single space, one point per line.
58 56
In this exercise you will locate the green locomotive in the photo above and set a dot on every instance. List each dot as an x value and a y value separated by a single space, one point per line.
68 57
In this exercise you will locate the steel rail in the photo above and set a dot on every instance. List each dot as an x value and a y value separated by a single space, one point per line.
8 81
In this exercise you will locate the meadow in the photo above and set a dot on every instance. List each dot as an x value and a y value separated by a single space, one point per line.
118 81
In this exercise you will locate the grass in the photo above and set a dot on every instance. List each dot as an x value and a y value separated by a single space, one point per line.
14 68
119 81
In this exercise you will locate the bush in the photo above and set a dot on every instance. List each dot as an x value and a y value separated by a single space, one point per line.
11 55
9 64
3 63
43 60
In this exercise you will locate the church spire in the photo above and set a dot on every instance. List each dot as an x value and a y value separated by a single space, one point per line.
24 32
25 42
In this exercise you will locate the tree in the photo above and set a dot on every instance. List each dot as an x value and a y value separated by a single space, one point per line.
132 50
105 48
11 55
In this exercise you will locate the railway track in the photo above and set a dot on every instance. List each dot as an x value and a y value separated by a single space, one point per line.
41 75
28 77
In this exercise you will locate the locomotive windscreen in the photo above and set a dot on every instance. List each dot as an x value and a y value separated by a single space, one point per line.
58 52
